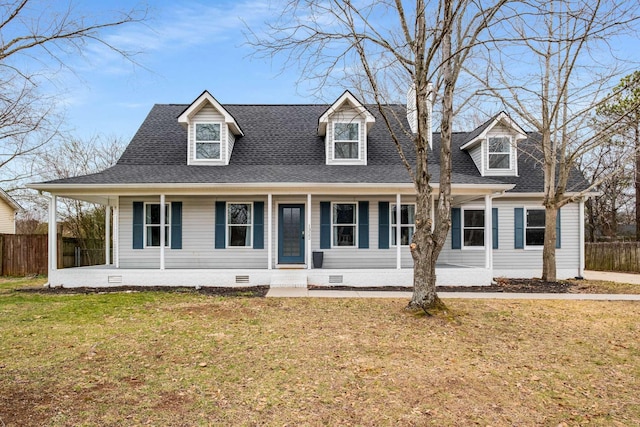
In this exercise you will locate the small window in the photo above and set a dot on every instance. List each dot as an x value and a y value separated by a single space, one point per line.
500 152
344 224
346 141
208 141
535 221
239 222
407 224
473 227
152 226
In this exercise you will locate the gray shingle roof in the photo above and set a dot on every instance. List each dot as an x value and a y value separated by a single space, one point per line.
281 146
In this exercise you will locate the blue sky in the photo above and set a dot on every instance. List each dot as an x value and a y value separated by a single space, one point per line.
186 47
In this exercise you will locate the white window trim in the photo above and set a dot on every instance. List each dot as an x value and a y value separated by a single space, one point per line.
462 227
355 225
167 243
510 153
195 141
524 228
392 225
227 225
359 141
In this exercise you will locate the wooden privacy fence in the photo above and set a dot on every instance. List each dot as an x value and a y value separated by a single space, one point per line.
25 254
614 256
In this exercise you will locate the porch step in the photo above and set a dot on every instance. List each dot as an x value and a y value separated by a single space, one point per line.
288 279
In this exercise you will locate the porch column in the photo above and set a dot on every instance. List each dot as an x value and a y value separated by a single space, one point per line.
53 233
581 265
162 230
308 232
107 235
269 231
116 237
398 231
488 232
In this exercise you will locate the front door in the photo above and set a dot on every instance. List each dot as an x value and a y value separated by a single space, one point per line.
291 234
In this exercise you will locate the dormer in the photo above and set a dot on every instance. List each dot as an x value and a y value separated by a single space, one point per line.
345 126
494 146
211 131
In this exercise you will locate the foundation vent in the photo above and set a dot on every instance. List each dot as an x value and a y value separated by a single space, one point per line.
242 279
335 279
114 279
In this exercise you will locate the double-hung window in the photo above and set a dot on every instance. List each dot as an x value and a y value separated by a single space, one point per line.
499 152
208 141
473 227
535 222
344 224
407 224
239 223
152 226
346 140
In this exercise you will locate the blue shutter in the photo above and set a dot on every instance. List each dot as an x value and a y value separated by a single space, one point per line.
221 208
176 225
258 225
456 228
138 225
325 225
494 227
518 228
558 238
383 225
363 225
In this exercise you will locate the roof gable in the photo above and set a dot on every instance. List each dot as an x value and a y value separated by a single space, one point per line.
206 98
9 200
478 134
346 98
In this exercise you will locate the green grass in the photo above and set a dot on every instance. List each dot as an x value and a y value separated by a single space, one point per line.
187 359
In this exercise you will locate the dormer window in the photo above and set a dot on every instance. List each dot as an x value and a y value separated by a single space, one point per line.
346 140
499 152
208 141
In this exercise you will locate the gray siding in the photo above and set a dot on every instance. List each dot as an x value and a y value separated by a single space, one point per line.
476 156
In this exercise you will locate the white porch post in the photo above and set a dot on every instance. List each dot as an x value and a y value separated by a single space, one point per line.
116 239
269 231
162 230
581 265
53 233
107 235
488 232
398 232
308 233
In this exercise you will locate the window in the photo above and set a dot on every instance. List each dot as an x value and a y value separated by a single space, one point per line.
152 226
534 234
208 141
407 223
346 141
344 224
239 222
499 152
473 227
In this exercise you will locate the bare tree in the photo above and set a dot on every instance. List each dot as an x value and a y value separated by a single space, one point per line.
427 44
36 39
542 65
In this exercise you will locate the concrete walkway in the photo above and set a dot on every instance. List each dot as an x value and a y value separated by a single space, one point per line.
303 292
611 276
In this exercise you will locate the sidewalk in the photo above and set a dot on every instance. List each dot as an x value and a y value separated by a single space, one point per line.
611 276
317 293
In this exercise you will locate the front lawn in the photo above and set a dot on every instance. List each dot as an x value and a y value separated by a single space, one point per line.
161 358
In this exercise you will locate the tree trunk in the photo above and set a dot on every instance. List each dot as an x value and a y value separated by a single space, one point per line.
549 250
637 180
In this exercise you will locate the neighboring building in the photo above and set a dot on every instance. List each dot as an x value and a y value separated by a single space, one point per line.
238 195
8 210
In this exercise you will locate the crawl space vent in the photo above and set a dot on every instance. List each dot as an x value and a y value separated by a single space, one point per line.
242 279
114 279
335 279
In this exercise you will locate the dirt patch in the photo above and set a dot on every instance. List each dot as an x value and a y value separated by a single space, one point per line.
250 292
529 286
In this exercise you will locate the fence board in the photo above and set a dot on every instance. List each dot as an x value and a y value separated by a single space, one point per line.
613 256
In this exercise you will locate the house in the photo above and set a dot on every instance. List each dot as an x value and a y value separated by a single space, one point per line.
238 195
8 210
